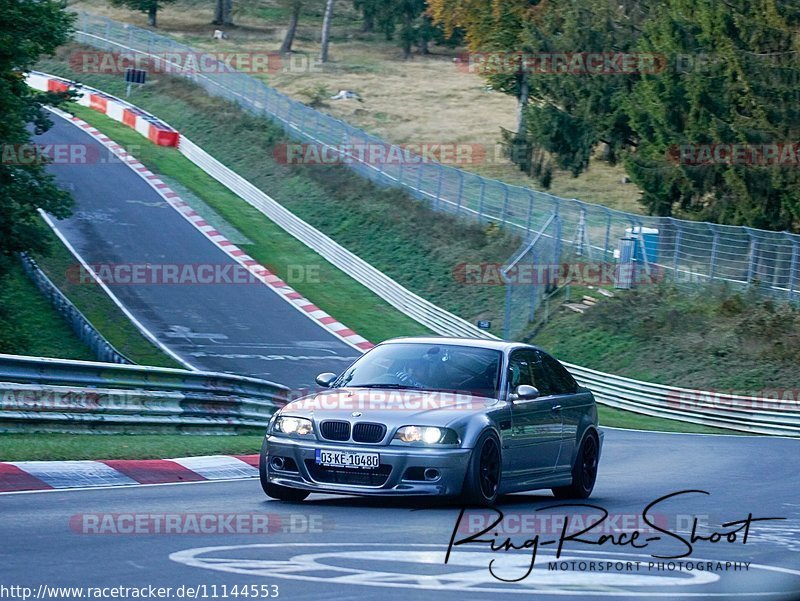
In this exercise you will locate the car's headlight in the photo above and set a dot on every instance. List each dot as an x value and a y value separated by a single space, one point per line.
426 435
298 426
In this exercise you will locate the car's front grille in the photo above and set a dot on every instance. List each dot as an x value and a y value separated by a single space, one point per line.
341 475
335 430
367 432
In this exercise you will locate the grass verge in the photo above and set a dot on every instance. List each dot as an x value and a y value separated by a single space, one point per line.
706 337
65 447
29 323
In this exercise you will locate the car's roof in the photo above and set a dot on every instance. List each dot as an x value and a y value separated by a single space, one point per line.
490 343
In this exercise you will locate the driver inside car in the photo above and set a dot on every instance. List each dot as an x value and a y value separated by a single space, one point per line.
412 374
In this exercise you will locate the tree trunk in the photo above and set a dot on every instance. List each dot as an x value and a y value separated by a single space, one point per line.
326 31
522 103
227 12
151 14
369 18
218 12
288 39
407 34
369 23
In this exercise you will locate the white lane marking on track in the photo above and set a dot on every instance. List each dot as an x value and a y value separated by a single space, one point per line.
395 561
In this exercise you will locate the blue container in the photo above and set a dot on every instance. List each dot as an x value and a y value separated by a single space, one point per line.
650 237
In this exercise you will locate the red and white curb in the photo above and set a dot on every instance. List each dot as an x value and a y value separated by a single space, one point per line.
151 127
263 274
17 476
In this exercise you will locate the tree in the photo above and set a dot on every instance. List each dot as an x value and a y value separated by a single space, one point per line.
223 12
145 6
326 30
736 83
369 12
295 6
28 29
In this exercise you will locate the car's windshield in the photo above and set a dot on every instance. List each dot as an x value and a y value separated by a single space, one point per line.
427 366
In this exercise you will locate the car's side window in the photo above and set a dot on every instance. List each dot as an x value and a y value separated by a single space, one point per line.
519 370
541 378
561 381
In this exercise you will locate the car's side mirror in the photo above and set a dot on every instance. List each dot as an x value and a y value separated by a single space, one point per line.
326 379
525 392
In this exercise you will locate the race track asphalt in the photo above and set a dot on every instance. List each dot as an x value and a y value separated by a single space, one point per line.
332 547
227 327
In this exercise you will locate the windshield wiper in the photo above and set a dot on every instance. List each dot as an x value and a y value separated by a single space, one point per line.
389 386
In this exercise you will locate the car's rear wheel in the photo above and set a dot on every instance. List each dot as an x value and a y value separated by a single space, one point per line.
276 491
484 471
584 471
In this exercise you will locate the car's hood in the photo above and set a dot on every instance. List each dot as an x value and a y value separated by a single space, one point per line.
391 407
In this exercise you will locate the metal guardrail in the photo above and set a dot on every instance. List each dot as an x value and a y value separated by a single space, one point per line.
696 250
755 415
102 349
63 395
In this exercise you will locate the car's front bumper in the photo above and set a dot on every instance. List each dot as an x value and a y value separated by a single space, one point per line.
402 464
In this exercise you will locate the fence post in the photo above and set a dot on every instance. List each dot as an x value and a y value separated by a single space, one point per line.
793 267
713 261
557 221
439 189
507 317
460 190
676 251
505 206
608 233
534 284
530 211
480 199
751 255
418 185
402 164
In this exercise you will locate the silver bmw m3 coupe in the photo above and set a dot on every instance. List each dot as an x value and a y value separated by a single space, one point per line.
453 417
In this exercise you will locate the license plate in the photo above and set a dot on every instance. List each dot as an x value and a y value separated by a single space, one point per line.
348 459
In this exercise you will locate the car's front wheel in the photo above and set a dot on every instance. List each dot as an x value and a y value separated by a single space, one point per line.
276 491
484 471
584 471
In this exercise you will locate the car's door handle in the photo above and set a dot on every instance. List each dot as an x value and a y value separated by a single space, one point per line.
556 408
